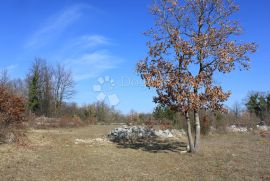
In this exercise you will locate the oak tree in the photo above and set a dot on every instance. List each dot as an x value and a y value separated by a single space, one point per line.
190 41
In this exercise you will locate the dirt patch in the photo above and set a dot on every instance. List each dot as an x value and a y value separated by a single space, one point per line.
93 142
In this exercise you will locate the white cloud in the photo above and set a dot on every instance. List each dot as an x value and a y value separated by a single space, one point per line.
92 40
88 56
12 71
11 68
90 65
80 45
55 25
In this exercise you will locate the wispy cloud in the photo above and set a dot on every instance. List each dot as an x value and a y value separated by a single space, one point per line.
88 56
54 25
11 71
92 41
90 65
11 67
84 43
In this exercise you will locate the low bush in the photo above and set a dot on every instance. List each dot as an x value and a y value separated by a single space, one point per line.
150 123
73 121
205 125
62 122
166 124
12 112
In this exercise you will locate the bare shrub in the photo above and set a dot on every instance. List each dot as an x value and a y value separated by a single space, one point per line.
44 122
220 121
62 122
206 124
150 123
74 121
91 121
166 125
12 109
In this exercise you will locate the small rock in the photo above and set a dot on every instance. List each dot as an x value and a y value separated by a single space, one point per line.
235 129
263 128
164 134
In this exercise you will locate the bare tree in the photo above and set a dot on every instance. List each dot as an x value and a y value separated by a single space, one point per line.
237 110
16 86
63 85
4 78
47 89
40 87
191 40
19 87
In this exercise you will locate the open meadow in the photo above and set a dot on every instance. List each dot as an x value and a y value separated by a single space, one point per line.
134 90
54 154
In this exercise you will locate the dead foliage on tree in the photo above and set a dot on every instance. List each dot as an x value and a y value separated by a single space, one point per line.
191 41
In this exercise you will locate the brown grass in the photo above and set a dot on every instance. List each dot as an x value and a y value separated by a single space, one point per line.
52 155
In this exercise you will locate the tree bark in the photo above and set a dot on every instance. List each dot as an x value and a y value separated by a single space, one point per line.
189 134
197 130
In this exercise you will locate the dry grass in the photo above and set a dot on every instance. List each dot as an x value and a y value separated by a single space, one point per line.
53 155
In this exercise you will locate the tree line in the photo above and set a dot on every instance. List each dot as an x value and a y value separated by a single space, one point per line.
47 90
46 87
258 103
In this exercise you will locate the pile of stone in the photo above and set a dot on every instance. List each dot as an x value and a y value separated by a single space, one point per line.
178 133
263 128
235 129
170 133
124 134
164 133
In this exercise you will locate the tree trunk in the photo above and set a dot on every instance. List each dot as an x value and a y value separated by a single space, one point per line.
197 130
189 134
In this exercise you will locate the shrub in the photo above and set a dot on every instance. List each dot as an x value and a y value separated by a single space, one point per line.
74 121
221 121
206 124
12 109
91 121
43 122
166 124
150 123
62 122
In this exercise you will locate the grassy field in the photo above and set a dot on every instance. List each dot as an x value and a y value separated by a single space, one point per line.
53 155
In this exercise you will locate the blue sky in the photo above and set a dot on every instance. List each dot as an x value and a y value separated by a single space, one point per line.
102 40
